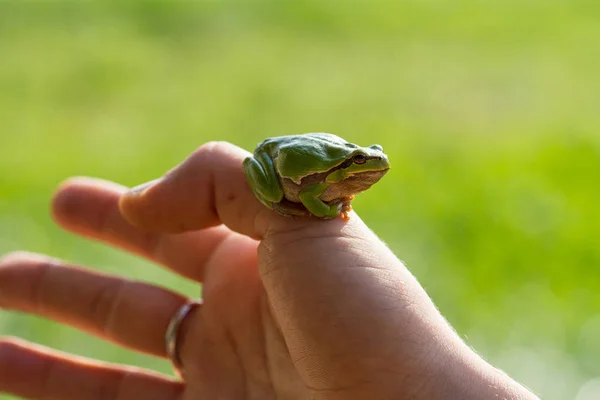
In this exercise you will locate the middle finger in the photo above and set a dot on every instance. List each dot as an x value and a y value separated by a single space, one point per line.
130 313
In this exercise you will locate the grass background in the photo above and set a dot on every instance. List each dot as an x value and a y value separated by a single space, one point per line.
489 112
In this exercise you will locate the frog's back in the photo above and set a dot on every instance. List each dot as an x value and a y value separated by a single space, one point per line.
297 156
322 138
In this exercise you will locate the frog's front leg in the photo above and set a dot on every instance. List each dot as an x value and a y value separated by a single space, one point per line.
263 179
310 197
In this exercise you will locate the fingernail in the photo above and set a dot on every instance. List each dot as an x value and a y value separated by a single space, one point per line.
141 189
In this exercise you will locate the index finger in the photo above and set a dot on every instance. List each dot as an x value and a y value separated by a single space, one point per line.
207 189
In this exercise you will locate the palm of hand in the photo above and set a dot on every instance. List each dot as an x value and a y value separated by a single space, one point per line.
238 348
233 348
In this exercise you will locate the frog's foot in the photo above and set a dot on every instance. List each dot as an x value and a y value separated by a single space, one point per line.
310 197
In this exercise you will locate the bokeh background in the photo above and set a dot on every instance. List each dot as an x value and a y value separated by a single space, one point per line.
489 112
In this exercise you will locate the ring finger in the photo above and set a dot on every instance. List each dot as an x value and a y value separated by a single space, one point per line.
133 314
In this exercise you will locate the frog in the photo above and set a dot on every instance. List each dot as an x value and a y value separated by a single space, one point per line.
312 175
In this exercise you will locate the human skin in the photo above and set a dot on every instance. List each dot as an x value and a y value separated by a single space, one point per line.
293 309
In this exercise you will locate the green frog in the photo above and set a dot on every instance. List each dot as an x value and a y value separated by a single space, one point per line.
313 174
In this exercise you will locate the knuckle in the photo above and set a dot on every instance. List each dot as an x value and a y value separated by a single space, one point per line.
104 304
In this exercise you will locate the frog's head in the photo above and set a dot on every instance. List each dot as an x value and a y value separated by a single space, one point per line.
366 159
363 167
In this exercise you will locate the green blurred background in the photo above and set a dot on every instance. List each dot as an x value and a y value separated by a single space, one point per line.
489 112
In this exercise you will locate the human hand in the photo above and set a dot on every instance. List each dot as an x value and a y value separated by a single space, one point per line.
293 309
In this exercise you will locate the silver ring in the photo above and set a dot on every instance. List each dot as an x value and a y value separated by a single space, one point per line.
172 333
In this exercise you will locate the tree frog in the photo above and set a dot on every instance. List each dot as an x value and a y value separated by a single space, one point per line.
313 174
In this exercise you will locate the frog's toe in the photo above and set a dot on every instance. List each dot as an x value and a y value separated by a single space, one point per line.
347 204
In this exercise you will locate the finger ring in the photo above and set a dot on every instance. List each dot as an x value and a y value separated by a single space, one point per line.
172 333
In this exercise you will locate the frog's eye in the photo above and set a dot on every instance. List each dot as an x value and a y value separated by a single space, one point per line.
359 159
